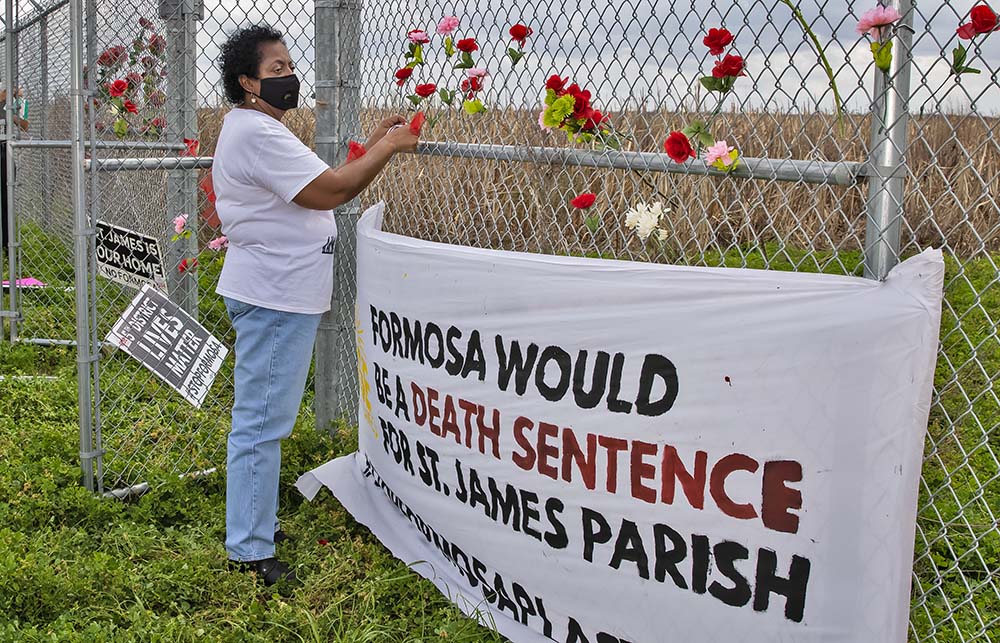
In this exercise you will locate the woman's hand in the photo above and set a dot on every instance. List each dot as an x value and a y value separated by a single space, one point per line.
383 128
402 139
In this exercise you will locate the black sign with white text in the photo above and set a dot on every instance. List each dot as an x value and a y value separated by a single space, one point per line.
128 257
169 342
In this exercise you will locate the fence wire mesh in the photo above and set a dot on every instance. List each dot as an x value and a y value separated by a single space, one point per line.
641 60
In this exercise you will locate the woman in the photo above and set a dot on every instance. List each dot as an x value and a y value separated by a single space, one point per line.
273 197
4 215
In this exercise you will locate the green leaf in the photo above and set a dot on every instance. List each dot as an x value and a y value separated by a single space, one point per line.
447 96
473 106
121 128
449 47
969 70
416 100
515 55
713 84
609 140
882 52
593 222
958 56
412 50
698 131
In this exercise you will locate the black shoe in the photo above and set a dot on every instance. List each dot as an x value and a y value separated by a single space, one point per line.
271 570
280 536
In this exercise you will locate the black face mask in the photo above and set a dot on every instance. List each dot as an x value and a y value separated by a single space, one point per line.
281 92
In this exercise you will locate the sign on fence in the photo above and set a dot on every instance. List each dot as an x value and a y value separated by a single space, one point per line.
128 257
586 450
170 343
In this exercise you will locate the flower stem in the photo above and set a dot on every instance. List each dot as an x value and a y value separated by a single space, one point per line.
822 56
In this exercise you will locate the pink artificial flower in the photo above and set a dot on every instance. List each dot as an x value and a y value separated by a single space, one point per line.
719 152
179 223
873 20
218 243
447 25
418 37
541 122
477 72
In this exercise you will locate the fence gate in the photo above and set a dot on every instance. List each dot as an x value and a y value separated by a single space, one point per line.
914 160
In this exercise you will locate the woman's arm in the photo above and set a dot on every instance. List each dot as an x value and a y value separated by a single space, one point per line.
334 188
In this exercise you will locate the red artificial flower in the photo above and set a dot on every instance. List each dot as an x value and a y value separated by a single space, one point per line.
717 40
159 122
403 74
593 119
208 213
519 33
118 87
418 36
134 79
187 264
323 541
130 107
112 57
417 123
191 147
730 66
355 151
148 62
207 187
471 85
423 91
583 201
556 84
468 45
582 97
967 31
983 19
145 23
157 44
678 147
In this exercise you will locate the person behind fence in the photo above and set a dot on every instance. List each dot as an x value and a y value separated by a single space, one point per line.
23 124
274 197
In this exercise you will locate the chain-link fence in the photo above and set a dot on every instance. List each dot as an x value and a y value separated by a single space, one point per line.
913 155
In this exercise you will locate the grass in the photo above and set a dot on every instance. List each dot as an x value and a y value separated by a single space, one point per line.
75 567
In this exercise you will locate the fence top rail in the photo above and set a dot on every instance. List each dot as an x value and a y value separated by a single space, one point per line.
822 172
21 26
795 170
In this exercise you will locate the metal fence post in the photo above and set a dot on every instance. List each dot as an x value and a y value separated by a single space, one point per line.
81 247
887 159
10 71
338 70
182 122
43 124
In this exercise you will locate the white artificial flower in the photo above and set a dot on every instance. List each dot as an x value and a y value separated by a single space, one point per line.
644 218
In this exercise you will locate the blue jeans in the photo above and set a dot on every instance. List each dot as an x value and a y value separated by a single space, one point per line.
273 352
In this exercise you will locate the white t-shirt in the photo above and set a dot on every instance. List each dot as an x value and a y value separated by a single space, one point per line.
280 255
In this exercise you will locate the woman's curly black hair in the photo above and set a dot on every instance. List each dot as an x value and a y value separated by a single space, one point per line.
240 55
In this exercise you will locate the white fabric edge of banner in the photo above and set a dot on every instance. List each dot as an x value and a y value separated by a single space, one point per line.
371 221
342 473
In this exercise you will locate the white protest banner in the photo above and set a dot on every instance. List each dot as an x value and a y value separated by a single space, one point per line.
592 451
128 257
169 342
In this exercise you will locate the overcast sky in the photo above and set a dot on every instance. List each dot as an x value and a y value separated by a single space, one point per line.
628 52
638 51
